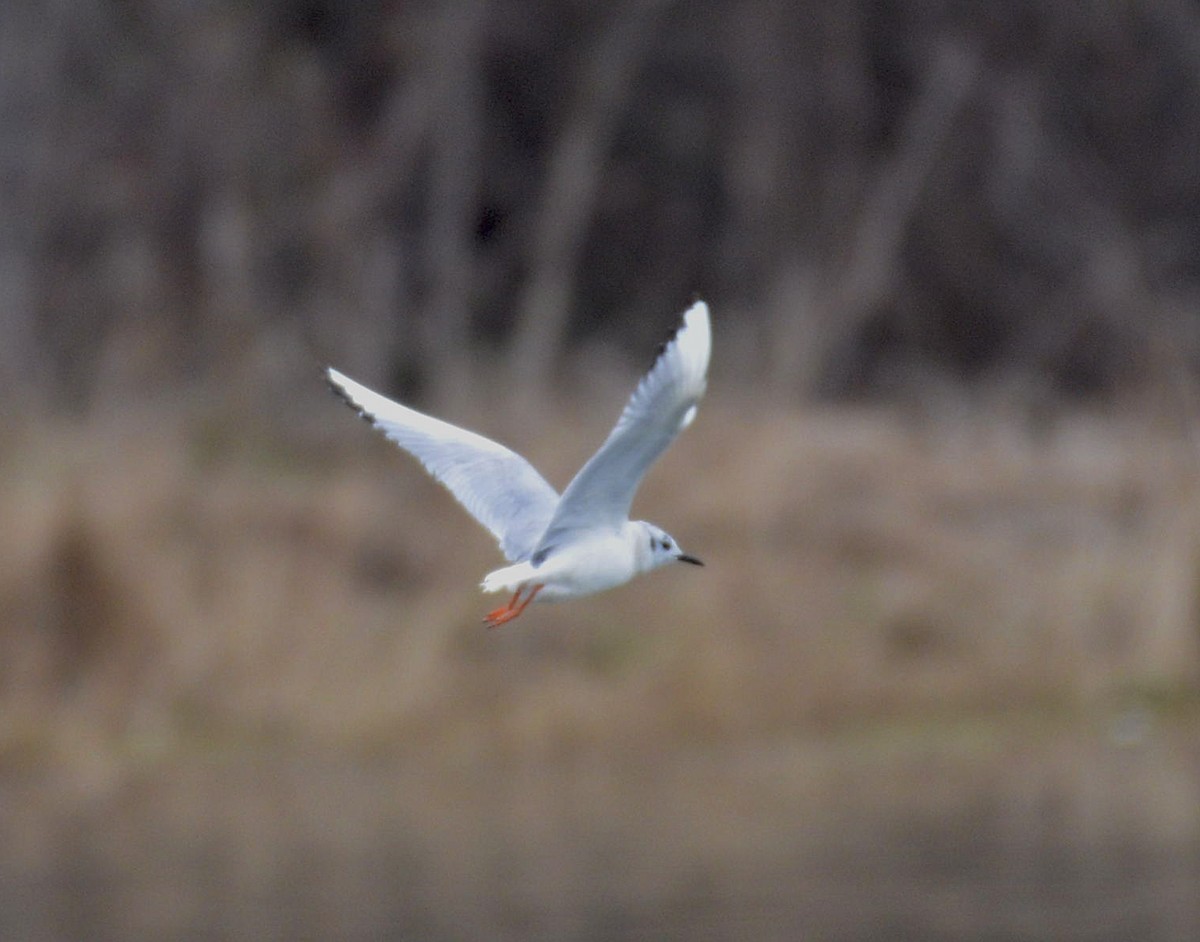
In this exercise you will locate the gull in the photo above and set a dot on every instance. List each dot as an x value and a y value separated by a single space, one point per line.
582 542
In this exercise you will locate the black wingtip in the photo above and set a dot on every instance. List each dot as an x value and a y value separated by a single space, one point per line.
671 335
345 397
336 389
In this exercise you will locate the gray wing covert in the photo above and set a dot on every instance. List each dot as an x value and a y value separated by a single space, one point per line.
498 487
662 405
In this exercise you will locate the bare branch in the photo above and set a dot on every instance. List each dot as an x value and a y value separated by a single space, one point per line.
457 140
568 197
806 338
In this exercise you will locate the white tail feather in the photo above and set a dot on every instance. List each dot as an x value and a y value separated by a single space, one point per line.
508 578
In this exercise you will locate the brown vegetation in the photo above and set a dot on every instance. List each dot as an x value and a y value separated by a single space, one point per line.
939 679
260 648
873 196
860 563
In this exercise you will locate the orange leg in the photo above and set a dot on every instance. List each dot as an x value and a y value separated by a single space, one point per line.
510 611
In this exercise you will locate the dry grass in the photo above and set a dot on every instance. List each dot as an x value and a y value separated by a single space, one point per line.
158 588
245 691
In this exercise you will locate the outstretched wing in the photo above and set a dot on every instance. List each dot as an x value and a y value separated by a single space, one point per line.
663 404
498 487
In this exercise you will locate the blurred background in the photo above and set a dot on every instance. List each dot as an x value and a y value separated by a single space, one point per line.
941 676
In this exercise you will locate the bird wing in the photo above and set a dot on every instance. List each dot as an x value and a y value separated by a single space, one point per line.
498 487
663 404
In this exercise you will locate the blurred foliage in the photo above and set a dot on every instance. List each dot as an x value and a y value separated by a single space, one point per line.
876 196
941 673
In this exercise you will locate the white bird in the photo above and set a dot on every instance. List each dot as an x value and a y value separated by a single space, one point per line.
582 542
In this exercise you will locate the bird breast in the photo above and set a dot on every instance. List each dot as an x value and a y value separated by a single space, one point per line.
582 568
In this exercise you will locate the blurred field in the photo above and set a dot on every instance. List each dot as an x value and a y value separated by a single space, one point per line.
938 680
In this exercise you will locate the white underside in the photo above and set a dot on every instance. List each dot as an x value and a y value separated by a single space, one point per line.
579 569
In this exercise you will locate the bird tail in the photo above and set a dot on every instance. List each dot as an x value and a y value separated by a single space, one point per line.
507 579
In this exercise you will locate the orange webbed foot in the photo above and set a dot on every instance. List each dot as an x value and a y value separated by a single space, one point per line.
510 611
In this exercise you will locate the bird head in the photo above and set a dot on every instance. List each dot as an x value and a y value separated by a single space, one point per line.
657 548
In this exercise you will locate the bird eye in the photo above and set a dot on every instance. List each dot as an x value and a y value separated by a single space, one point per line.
666 544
